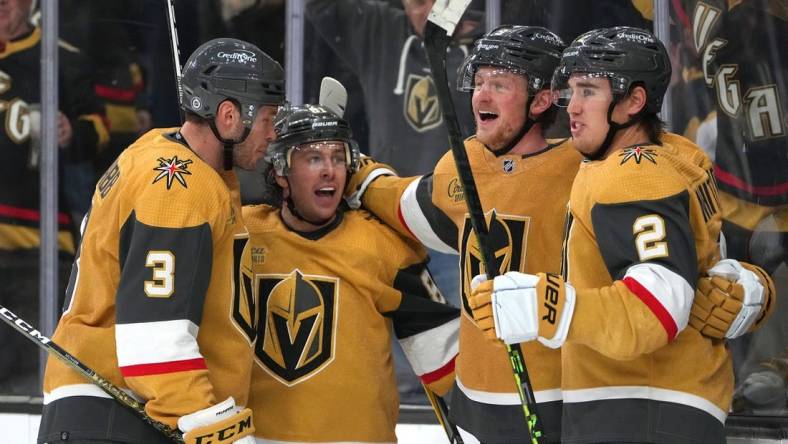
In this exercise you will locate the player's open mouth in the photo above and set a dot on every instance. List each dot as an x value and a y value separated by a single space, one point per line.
486 115
326 192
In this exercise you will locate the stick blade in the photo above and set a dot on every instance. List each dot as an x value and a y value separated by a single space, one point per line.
333 95
447 13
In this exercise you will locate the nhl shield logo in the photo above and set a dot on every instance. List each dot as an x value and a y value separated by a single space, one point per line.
422 110
508 165
298 316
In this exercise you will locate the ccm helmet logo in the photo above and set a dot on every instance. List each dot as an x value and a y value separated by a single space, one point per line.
239 56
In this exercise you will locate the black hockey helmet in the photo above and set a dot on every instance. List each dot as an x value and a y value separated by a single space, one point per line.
301 124
226 68
533 51
626 55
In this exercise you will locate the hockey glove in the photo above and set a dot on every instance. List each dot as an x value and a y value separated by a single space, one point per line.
368 170
220 424
520 307
733 300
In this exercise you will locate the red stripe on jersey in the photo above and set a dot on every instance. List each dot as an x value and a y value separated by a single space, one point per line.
654 305
729 179
163 367
433 376
30 215
402 221
115 93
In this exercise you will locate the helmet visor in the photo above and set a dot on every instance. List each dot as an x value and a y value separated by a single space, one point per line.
320 155
582 87
498 81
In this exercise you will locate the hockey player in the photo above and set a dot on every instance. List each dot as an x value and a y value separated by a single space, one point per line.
149 304
523 182
644 221
330 284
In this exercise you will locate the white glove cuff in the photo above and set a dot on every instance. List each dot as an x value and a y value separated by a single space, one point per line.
566 319
208 416
751 306
354 200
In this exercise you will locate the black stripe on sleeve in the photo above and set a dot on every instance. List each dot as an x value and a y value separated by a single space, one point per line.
614 226
192 250
422 306
440 223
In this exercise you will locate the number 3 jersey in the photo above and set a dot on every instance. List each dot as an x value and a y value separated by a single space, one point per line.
644 224
151 306
327 304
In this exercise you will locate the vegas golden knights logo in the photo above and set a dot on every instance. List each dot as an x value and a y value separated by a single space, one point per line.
508 238
298 316
422 110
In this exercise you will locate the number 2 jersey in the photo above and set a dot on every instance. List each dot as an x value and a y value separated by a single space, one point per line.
527 194
151 305
328 302
644 223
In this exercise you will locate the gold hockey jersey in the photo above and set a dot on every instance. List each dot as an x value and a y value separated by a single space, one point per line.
525 197
328 302
644 223
151 303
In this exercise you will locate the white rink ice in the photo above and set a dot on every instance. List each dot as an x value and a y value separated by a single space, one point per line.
23 428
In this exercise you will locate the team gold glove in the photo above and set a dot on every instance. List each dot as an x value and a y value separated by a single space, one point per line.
368 170
222 423
518 307
734 299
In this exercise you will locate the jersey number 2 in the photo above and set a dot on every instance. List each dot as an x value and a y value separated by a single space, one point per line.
649 234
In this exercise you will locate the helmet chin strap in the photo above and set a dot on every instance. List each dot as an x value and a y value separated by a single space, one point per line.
229 144
612 129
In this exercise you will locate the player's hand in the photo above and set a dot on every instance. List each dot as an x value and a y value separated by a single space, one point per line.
763 389
731 300
368 170
222 423
523 307
480 302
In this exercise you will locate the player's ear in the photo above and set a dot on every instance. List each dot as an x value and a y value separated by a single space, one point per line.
282 182
541 102
635 100
226 114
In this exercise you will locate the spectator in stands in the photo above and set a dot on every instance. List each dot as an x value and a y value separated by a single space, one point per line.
81 132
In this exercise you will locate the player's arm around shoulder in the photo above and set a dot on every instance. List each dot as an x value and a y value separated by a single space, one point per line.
426 327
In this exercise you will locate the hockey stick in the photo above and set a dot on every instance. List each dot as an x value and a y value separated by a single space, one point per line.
333 96
111 389
176 53
443 18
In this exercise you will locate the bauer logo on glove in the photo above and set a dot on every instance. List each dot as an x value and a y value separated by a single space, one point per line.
520 307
